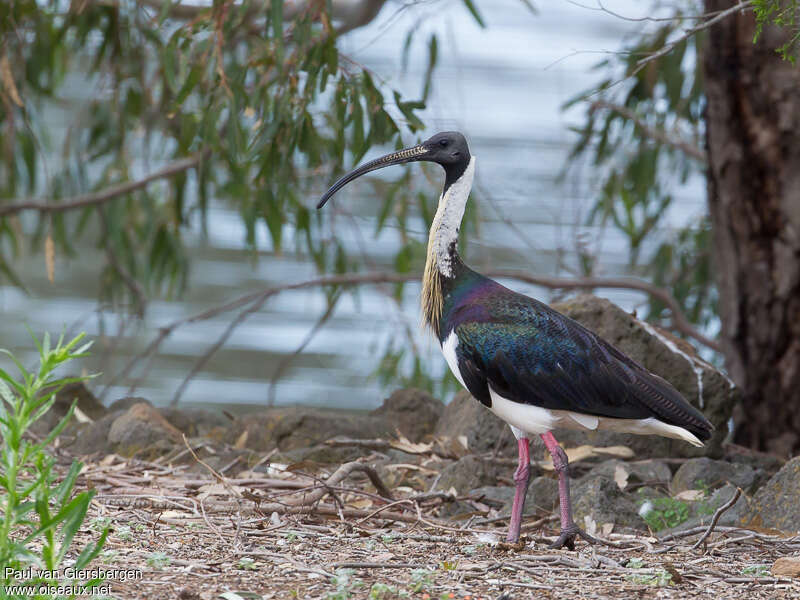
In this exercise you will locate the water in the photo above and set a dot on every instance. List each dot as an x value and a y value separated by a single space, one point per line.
503 87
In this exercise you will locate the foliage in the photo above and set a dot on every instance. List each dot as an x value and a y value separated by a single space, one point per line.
667 512
266 105
638 126
259 106
40 515
783 13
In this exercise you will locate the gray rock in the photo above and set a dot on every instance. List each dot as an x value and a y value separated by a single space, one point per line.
414 412
630 336
467 473
483 431
542 496
775 505
143 431
496 496
126 402
84 400
194 421
293 427
701 473
601 499
642 471
83 439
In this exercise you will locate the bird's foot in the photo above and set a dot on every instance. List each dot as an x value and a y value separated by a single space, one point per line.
568 536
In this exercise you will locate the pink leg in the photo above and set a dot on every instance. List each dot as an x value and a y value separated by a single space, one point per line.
569 531
521 477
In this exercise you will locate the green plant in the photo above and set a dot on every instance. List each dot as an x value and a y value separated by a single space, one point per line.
158 560
756 570
40 515
658 578
345 584
247 564
783 13
383 591
635 563
420 580
666 512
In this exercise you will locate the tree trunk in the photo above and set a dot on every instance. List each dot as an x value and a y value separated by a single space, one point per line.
753 137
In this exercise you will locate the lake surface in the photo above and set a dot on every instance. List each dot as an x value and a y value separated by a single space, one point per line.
503 87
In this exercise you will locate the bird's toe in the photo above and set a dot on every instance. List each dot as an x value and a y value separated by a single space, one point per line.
568 536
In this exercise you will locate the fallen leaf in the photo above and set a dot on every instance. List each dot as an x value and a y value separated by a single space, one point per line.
583 452
590 525
621 476
406 445
606 529
362 503
690 495
241 440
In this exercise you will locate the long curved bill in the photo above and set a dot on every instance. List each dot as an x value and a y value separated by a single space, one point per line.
395 158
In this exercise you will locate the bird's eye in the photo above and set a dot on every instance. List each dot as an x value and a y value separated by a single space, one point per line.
443 143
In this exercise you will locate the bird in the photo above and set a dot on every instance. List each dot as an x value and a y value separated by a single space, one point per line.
535 368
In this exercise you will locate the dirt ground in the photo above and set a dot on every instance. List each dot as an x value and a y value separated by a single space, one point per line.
290 535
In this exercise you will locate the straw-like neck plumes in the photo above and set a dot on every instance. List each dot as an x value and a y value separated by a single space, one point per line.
442 245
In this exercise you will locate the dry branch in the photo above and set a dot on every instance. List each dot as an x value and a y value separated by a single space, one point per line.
658 135
103 196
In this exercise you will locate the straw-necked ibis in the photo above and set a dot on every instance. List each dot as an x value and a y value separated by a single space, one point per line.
530 365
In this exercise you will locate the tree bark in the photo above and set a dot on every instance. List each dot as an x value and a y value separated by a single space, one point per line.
753 138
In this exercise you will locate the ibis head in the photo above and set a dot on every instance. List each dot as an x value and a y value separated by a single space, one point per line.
449 149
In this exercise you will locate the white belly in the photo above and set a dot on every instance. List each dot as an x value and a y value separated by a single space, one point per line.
534 420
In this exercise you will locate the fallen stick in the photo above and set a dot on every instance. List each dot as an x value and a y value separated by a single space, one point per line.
716 517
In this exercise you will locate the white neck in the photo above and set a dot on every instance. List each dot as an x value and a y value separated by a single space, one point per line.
446 223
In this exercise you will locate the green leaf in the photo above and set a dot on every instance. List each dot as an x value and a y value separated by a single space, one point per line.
476 15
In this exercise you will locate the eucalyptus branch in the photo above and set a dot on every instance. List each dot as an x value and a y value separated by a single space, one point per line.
351 15
658 135
105 195
641 64
250 303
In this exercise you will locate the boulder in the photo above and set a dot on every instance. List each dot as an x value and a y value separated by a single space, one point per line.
413 412
601 499
126 402
542 496
665 355
142 431
194 421
83 439
705 473
642 471
775 505
292 427
467 473
84 400
467 419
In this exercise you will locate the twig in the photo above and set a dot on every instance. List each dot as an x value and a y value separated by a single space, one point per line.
376 565
103 196
656 134
716 517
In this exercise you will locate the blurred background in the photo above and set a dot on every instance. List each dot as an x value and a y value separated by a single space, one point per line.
229 119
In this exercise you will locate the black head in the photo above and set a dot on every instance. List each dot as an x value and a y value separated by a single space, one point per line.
448 149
